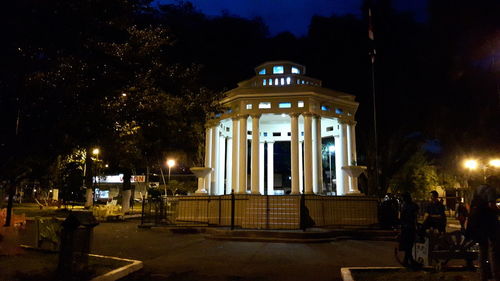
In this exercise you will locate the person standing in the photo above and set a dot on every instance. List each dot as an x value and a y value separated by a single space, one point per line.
461 214
435 216
408 218
483 227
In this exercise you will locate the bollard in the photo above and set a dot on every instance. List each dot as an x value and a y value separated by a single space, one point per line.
302 212
142 212
232 209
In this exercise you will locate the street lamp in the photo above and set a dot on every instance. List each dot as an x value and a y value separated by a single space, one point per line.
472 164
331 149
170 164
96 152
495 163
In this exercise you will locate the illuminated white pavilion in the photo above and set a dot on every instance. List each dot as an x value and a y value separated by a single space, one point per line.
280 104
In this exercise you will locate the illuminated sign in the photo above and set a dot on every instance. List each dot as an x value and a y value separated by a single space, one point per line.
119 179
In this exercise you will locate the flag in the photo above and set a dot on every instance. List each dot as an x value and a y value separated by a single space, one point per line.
370 26
372 51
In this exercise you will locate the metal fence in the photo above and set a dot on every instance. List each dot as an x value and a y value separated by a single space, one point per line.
261 211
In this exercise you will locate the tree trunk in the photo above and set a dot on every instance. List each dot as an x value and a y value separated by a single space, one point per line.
126 191
9 204
89 190
126 194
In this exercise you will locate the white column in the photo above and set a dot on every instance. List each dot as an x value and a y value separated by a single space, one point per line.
270 168
234 157
261 167
229 165
215 160
339 179
208 156
349 156
222 166
301 167
242 157
308 176
319 157
294 151
314 155
351 142
254 171
343 142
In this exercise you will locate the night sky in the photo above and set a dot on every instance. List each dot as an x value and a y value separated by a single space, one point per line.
294 15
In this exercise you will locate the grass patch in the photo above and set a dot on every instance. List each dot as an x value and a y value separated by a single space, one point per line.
33 210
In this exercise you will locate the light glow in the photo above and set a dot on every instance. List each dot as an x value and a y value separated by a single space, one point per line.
495 163
471 164
96 151
170 163
331 148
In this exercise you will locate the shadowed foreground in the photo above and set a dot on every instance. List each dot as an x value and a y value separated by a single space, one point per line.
169 256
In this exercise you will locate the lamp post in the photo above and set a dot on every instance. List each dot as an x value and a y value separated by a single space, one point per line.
96 152
170 164
331 149
473 164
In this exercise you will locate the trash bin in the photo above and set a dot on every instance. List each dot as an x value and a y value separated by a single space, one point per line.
76 238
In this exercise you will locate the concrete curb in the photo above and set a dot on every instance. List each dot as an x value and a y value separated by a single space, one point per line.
112 275
119 272
272 240
346 273
313 235
318 236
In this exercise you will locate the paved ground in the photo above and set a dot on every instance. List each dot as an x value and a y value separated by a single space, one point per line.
169 256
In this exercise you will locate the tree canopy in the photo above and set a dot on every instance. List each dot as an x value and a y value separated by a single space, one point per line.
131 78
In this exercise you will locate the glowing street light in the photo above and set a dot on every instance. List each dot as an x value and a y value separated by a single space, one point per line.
495 163
170 164
97 182
471 164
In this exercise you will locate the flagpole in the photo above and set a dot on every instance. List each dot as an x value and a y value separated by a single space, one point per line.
375 135
372 59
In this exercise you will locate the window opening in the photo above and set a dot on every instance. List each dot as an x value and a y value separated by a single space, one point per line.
278 69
